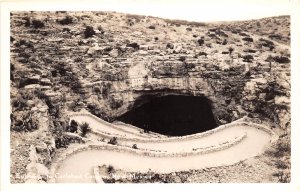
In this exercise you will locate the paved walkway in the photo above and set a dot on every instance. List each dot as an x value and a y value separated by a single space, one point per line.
79 167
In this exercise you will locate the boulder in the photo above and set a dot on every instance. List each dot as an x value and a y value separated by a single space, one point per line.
41 148
114 53
33 86
45 81
282 100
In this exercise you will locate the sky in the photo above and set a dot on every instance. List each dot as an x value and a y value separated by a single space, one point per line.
205 10
193 10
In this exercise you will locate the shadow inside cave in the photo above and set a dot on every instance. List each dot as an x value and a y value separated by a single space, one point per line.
172 115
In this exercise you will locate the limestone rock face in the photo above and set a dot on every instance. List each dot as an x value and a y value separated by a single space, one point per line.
124 61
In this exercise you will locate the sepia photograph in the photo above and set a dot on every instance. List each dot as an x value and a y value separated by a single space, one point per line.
129 95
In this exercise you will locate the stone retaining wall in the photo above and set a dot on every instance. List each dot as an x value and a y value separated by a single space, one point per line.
148 153
119 149
236 123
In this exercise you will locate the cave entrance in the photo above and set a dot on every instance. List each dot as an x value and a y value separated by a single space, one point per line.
172 115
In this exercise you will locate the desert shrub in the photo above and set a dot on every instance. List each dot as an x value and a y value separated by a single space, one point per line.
115 103
212 35
113 141
170 45
66 29
282 177
65 21
151 27
97 89
267 43
249 50
213 29
280 164
134 45
224 42
230 49
202 53
182 58
73 127
234 31
248 39
134 146
19 103
275 36
24 42
281 59
110 169
279 150
24 122
197 24
130 22
40 94
243 34
84 128
189 29
89 32
78 59
27 21
200 41
247 58
190 66
12 39
37 24
75 85
61 142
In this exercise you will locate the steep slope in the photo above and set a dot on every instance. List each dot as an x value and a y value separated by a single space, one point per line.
110 62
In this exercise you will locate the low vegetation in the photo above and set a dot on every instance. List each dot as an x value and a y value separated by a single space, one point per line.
280 156
89 32
84 128
113 141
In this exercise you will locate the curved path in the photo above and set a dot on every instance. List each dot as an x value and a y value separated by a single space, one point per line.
78 167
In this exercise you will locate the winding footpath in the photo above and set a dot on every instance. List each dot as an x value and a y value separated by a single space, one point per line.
224 145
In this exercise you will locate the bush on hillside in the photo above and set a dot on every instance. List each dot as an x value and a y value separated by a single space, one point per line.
84 128
73 127
37 24
247 58
113 141
65 21
151 27
248 39
89 32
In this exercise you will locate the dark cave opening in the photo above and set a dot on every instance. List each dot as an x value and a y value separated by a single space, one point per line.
172 115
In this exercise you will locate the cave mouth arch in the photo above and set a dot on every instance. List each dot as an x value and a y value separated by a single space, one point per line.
172 115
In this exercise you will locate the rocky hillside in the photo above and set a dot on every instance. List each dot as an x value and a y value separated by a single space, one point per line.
111 62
